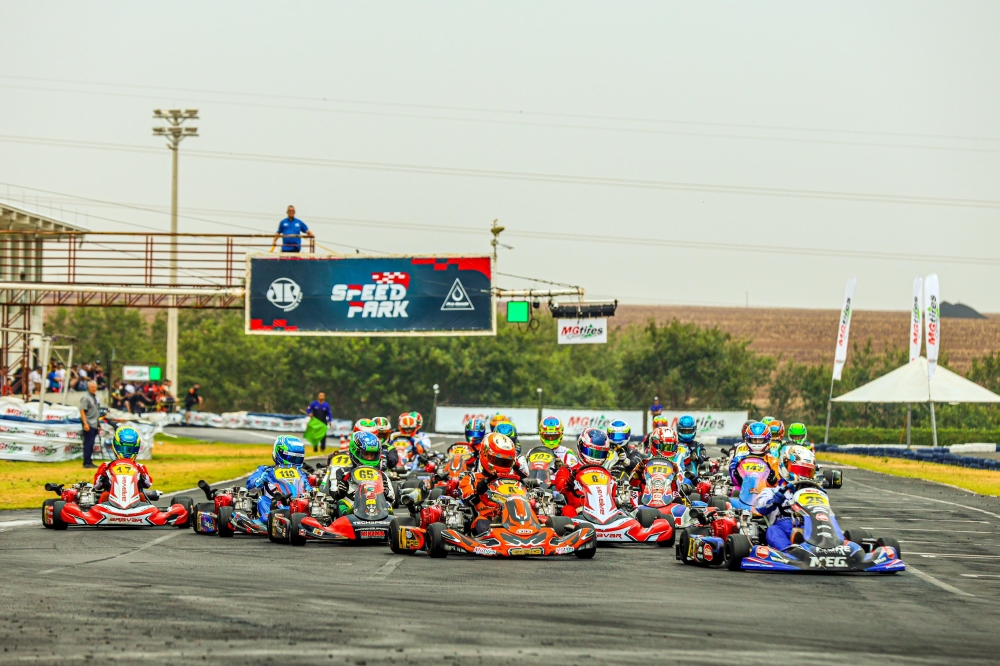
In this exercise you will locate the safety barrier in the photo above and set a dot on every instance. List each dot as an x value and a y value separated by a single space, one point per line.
941 455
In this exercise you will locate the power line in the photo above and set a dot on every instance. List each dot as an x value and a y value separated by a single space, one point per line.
566 179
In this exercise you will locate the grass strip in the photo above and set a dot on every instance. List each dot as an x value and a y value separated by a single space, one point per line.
982 481
177 463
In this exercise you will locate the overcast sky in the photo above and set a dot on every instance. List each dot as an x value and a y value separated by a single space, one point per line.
643 144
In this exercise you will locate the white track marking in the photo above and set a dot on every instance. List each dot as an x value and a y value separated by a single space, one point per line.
386 569
959 555
934 581
131 551
19 523
979 575
930 499
921 529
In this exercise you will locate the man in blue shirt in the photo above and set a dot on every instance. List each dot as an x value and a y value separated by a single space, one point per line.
320 418
656 408
290 230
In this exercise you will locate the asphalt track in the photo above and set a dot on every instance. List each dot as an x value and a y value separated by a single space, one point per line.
170 596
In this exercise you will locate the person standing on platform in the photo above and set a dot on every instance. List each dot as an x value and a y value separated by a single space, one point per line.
291 230
320 419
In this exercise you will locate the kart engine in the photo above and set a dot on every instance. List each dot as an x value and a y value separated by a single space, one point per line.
87 497
243 502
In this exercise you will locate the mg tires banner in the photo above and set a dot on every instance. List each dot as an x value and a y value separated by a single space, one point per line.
310 295
575 421
718 424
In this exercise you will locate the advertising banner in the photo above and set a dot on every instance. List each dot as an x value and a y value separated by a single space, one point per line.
844 329
333 295
932 316
576 421
135 373
916 318
715 424
583 331
57 442
453 419
286 423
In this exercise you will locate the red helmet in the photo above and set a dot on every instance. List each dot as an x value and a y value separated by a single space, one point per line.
593 446
366 425
777 430
497 454
408 424
660 421
420 419
663 442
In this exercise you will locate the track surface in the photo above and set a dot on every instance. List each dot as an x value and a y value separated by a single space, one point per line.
170 596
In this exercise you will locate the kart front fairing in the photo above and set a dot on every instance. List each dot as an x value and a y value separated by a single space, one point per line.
612 524
370 514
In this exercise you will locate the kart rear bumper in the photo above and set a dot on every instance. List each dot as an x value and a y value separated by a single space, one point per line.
346 528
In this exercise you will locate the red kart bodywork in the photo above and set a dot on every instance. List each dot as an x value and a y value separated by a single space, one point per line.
123 505
612 524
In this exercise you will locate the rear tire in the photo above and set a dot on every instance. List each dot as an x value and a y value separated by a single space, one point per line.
204 507
838 479
45 505
435 542
224 524
188 504
294 525
681 550
891 543
719 502
646 516
57 521
270 525
394 525
737 547
435 493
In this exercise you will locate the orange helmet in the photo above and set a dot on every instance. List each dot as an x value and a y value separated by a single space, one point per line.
383 428
407 424
777 430
660 421
497 420
497 454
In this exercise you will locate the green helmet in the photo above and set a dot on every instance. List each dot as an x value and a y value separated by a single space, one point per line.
797 433
365 449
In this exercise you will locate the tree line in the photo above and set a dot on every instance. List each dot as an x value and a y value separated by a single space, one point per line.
686 365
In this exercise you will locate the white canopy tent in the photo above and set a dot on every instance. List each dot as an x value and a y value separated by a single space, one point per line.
909 385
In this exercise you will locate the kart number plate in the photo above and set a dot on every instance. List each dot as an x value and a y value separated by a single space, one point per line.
508 488
541 456
459 450
286 473
340 460
660 469
595 478
813 499
752 467
123 469
365 474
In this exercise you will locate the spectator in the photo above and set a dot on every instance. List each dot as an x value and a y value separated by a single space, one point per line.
61 374
102 381
290 230
90 418
192 399
320 418
167 399
136 401
4 380
35 380
118 395
82 378
53 379
656 408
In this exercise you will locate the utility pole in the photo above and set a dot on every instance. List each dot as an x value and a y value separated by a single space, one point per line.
174 134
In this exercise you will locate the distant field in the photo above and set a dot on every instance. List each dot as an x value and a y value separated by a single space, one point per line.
807 336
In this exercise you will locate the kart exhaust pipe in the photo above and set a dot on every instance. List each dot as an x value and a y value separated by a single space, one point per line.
207 489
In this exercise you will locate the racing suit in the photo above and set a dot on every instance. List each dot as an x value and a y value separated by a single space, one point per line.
565 482
264 480
102 480
741 452
471 488
773 504
391 456
346 488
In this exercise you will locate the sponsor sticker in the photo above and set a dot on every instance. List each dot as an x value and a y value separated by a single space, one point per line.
525 551
822 517
761 552
827 562
481 550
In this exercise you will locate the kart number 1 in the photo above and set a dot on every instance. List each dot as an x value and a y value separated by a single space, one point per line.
286 473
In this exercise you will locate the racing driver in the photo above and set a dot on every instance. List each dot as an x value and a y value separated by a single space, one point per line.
288 451
594 448
365 451
125 446
795 463
550 431
496 461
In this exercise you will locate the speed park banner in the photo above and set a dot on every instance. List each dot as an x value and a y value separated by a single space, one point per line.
364 295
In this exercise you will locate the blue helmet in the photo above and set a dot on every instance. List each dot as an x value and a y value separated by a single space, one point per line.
475 430
365 449
619 433
686 429
126 442
288 451
758 437
510 430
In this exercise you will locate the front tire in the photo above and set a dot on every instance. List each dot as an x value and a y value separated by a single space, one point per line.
45 507
683 544
188 504
57 521
891 543
394 525
204 507
224 523
271 525
435 541
561 525
585 554
646 516
737 547
294 525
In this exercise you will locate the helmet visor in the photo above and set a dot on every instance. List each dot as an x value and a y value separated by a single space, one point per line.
802 470
501 463
618 437
593 452
681 430
371 455
550 439
123 450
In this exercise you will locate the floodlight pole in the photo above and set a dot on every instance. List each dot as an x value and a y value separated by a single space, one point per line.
434 414
539 389
174 134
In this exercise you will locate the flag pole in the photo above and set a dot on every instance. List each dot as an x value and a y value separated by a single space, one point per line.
829 413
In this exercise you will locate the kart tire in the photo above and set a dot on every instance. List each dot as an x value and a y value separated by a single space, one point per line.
561 525
435 542
737 547
57 522
646 516
586 554
394 525
45 505
294 525
188 504
681 550
224 525
436 493
204 507
719 502
891 543
669 543
270 525
395 492
858 535
838 479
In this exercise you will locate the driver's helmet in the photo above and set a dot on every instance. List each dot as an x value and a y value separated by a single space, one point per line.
407 424
777 430
619 433
496 420
767 420
686 429
288 451
593 446
475 430
126 442
550 431
497 454
743 429
510 430
758 437
365 449
660 421
366 425
663 442
797 433
796 463
383 428
420 419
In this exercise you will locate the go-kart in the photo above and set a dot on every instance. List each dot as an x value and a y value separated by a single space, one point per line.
328 479
818 544
756 475
233 510
319 517
542 465
124 505
515 531
613 525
